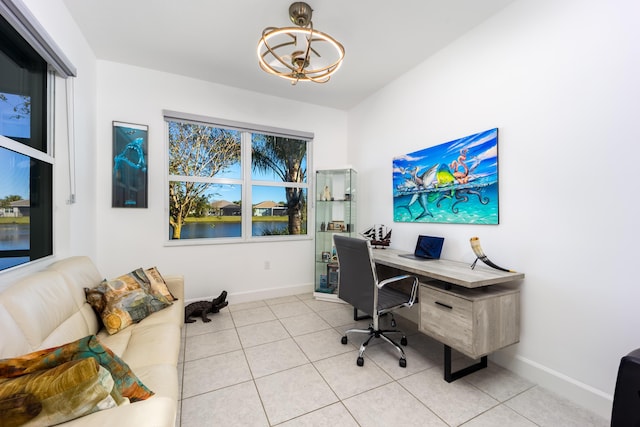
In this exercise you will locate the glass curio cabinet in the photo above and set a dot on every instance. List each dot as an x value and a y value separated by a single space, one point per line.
335 213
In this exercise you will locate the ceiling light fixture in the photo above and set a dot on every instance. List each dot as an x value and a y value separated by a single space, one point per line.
299 53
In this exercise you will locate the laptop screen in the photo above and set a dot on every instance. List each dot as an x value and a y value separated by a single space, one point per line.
429 247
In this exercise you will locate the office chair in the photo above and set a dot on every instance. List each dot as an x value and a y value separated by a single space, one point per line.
626 398
359 286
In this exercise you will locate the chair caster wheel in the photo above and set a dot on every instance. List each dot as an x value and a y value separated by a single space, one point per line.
344 340
360 361
403 363
403 341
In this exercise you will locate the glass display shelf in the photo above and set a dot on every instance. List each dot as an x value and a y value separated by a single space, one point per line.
335 213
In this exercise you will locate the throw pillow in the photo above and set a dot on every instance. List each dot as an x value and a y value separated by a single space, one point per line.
96 300
159 300
125 300
126 382
67 391
19 408
158 284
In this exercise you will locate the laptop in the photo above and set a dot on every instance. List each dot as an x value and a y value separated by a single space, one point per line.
427 247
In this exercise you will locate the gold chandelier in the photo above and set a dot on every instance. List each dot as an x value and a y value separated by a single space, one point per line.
299 53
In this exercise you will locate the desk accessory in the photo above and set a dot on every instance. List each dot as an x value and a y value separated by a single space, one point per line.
378 235
477 249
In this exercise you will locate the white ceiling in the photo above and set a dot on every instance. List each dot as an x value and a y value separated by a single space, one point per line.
215 40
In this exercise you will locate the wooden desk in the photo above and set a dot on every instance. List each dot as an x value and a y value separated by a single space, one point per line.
453 272
462 308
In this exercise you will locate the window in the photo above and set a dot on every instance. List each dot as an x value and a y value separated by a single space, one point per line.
232 181
26 168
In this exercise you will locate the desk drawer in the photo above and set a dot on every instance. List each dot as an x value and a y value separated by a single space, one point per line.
447 318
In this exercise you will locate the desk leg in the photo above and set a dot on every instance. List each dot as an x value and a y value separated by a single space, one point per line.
452 376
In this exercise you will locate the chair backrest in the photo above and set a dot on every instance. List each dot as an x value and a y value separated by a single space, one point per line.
357 273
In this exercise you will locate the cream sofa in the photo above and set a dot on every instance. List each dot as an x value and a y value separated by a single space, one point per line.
48 308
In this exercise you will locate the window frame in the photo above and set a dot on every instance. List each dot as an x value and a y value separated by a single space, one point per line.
19 17
246 130
41 128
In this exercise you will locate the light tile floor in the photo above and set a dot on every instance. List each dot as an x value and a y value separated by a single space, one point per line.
280 362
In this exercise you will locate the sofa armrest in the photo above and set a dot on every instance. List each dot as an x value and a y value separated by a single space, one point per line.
175 285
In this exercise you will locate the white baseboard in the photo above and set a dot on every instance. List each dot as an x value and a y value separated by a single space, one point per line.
248 296
579 393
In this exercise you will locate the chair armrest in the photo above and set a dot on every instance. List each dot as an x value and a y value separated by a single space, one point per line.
414 286
395 279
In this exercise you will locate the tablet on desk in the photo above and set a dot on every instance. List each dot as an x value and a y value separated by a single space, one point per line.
427 247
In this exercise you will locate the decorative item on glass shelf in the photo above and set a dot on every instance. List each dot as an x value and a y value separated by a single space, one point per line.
326 256
332 274
323 281
378 236
326 194
338 225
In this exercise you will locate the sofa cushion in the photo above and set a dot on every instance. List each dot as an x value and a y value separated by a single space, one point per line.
153 344
126 382
64 392
31 302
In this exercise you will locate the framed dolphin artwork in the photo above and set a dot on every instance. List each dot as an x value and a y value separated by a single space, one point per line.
455 182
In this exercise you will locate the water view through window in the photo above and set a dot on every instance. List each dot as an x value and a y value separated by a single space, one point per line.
14 208
219 175
26 161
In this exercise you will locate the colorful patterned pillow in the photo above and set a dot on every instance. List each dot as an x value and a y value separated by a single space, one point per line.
126 382
19 408
157 283
62 393
125 300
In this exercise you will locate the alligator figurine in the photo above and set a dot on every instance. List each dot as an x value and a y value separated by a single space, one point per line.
202 308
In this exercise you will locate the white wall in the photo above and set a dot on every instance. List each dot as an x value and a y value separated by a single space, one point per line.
560 81
74 225
130 238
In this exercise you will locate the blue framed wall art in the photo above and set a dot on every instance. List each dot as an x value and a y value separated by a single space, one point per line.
129 173
454 182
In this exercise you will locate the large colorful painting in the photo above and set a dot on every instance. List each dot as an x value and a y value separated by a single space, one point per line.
454 182
129 175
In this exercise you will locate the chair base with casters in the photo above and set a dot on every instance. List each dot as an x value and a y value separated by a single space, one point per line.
380 333
360 287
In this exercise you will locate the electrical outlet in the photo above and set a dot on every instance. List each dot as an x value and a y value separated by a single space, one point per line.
267 265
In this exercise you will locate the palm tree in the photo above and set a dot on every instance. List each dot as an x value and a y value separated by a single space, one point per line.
285 158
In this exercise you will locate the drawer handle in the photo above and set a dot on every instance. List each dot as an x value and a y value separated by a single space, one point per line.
444 305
